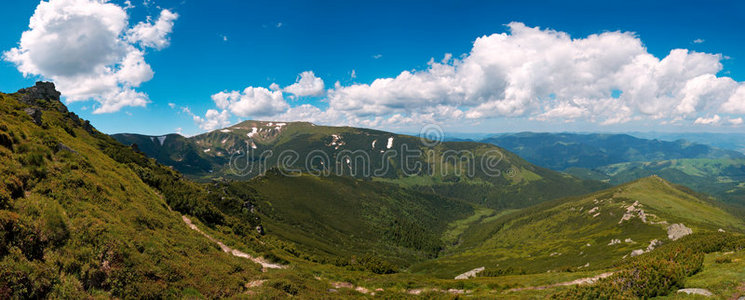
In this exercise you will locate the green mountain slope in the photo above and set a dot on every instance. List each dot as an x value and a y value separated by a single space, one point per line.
559 151
335 218
721 178
588 232
82 215
479 173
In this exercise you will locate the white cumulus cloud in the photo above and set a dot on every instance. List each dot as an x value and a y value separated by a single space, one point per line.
213 119
87 49
548 75
708 121
533 73
154 35
307 84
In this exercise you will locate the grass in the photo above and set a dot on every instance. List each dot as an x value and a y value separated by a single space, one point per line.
456 228
723 279
555 236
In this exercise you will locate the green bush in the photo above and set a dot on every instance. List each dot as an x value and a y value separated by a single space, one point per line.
373 263
55 227
659 272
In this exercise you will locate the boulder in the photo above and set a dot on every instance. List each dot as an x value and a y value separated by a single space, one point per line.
695 291
469 274
35 114
677 231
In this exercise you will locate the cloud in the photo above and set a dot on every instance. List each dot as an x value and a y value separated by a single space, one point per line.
708 121
153 35
376 56
213 120
735 122
546 74
539 74
252 102
698 41
87 49
307 84
263 103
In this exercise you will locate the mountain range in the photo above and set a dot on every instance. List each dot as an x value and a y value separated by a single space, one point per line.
83 215
476 172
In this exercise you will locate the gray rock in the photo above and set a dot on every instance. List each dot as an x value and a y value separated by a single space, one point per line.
63 147
695 291
35 114
40 91
469 274
677 231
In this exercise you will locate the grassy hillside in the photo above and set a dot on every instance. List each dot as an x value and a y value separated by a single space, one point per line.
333 219
479 173
589 232
722 178
82 215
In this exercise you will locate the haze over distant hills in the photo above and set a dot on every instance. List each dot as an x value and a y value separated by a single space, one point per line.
560 151
621 158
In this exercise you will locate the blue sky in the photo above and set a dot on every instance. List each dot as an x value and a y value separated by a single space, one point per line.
216 46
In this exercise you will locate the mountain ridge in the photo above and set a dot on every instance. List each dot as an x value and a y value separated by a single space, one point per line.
452 169
559 151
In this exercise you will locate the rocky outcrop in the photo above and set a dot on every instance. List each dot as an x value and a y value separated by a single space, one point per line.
469 274
677 231
41 94
43 97
633 211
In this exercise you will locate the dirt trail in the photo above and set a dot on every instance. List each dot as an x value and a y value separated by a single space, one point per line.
265 264
586 280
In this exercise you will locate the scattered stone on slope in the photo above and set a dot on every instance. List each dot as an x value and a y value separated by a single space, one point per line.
632 211
265 264
696 291
469 274
677 231
614 242
63 147
586 280
593 210
652 245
